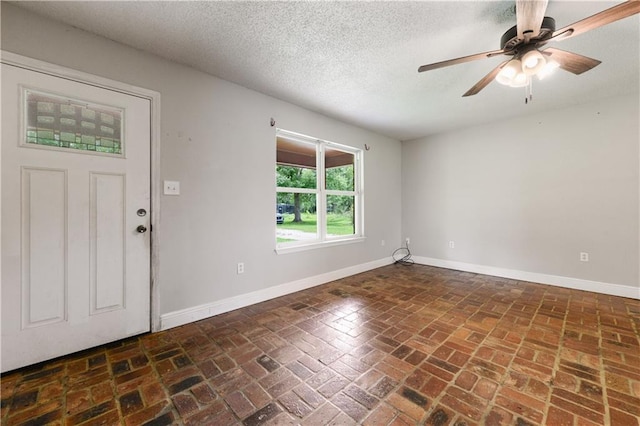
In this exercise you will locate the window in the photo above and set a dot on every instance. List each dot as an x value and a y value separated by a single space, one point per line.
318 192
55 122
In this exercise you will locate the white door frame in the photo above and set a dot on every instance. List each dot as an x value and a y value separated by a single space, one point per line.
154 98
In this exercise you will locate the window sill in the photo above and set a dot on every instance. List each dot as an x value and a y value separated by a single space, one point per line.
317 245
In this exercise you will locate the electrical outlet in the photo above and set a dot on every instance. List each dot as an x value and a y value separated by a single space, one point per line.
584 257
407 240
382 243
240 268
452 244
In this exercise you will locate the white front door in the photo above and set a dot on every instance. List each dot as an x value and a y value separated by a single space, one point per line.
75 209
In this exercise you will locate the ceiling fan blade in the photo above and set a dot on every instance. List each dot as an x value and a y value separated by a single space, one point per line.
461 60
484 81
572 62
605 17
529 16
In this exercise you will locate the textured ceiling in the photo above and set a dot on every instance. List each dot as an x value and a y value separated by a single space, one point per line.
357 61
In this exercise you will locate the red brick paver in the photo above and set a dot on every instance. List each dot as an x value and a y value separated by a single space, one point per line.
399 345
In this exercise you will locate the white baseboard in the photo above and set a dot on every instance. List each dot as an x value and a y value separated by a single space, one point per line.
567 282
196 313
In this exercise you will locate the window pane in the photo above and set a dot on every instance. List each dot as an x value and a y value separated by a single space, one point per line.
295 177
333 182
339 170
295 164
67 123
340 215
296 217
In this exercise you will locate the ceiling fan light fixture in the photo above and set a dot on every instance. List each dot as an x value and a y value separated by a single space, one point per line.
533 62
520 80
509 72
532 30
548 69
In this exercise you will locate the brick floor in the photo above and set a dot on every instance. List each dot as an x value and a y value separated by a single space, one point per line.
399 345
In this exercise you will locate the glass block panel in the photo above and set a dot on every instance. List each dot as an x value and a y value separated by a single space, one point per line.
45 107
48 142
67 109
68 122
52 120
88 114
106 118
45 134
88 139
340 215
68 137
45 119
107 130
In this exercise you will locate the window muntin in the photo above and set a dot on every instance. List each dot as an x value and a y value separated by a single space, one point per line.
318 195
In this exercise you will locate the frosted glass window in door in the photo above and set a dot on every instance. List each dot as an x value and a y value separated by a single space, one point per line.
59 122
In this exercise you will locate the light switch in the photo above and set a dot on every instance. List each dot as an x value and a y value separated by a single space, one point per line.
171 187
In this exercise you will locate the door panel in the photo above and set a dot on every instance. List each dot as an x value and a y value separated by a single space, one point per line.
44 239
75 169
107 227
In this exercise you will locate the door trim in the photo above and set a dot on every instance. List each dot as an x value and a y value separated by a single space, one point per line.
36 65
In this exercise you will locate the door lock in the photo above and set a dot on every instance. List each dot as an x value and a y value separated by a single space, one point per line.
141 229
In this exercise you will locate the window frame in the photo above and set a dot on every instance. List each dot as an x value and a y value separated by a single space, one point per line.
322 239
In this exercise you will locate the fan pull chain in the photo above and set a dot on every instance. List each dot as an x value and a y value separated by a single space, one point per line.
528 92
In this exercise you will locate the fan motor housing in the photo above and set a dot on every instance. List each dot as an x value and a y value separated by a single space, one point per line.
510 41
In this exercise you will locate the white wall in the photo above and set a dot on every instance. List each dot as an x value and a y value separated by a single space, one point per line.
217 141
532 193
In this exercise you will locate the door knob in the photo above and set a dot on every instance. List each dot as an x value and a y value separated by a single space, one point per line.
141 229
